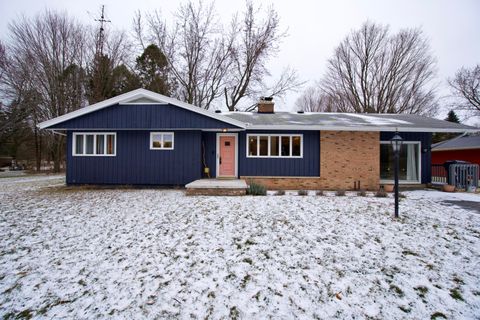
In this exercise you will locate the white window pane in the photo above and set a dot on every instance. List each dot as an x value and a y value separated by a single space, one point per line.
263 145
156 141
89 144
252 145
100 149
79 144
274 142
168 140
285 147
111 144
296 146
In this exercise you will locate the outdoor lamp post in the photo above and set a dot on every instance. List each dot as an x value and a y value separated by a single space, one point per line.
396 142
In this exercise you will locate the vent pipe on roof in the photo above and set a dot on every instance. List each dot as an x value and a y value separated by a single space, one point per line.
265 105
300 111
218 111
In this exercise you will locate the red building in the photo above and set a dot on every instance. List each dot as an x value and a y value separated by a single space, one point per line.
465 148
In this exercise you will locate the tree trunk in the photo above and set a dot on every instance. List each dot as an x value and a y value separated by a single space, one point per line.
57 155
38 153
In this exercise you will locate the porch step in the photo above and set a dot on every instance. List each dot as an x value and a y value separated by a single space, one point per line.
216 187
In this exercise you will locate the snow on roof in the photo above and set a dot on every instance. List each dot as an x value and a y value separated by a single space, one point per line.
458 143
346 122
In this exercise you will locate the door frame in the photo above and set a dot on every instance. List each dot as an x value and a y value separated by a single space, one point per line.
220 134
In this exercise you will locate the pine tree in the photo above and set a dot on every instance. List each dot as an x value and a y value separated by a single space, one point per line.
452 117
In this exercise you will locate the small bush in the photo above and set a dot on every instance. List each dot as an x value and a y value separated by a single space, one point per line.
255 189
280 193
455 294
302 192
401 195
319 193
381 194
340 193
362 193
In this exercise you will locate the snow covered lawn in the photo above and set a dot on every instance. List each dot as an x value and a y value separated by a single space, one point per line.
150 253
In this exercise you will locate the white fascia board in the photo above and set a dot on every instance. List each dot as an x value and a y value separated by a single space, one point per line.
357 128
134 95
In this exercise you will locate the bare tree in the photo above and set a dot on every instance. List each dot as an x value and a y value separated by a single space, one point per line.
46 60
208 61
313 100
374 71
466 86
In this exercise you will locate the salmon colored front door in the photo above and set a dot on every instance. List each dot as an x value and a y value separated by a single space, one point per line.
227 156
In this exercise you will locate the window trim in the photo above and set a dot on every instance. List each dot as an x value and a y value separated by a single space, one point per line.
402 181
279 135
84 134
162 133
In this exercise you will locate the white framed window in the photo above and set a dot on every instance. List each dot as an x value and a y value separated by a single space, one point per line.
90 144
274 145
161 140
410 165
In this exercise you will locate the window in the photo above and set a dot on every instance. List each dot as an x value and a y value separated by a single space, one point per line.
94 144
409 162
161 140
274 146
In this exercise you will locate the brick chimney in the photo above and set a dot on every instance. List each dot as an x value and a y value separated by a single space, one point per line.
265 105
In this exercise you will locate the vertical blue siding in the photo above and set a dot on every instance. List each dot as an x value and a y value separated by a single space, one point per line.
135 163
308 166
425 139
150 117
209 140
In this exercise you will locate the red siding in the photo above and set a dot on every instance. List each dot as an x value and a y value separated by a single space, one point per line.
472 155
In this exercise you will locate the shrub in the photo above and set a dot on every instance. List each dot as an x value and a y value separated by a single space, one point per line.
381 194
256 189
401 195
319 193
280 193
340 193
362 193
302 192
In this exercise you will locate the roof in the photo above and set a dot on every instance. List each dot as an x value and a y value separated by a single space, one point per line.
458 143
346 122
281 120
138 96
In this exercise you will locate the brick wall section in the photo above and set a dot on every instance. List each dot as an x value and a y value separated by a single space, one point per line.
345 157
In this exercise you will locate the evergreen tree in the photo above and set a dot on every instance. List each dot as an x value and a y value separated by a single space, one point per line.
452 117
152 70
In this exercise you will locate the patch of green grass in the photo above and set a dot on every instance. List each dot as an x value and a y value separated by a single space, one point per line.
458 280
421 291
397 290
409 253
234 313
405 309
245 280
455 294
437 315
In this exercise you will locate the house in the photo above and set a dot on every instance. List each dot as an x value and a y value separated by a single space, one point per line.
144 138
464 147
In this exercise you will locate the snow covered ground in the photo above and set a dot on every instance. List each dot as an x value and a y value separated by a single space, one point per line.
149 253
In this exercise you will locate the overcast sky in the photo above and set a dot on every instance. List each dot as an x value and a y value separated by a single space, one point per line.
315 28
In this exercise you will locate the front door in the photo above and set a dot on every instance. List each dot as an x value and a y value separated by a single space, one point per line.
227 157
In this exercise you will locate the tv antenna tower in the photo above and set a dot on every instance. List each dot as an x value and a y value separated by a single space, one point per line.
101 35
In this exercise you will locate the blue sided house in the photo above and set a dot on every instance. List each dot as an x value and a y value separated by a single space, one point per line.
144 138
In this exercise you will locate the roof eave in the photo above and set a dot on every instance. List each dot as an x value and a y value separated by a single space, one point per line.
359 128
